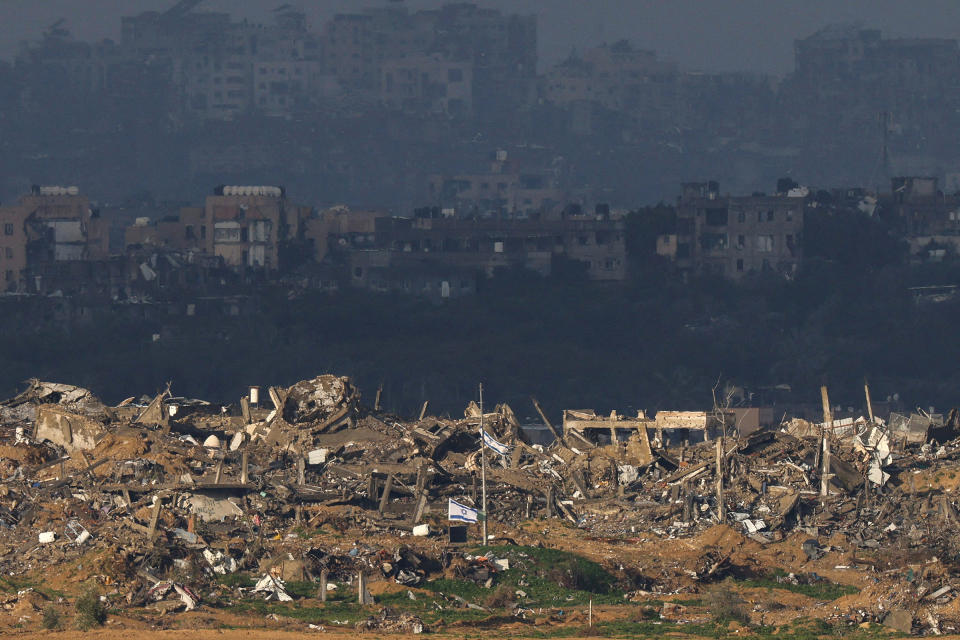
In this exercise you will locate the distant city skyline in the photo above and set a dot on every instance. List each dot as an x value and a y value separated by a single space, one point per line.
719 35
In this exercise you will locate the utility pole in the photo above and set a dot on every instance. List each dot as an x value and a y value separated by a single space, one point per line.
721 505
825 444
483 471
825 474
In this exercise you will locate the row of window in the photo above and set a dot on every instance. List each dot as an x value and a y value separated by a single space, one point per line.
282 71
765 265
763 243
540 243
257 231
217 80
606 265
720 217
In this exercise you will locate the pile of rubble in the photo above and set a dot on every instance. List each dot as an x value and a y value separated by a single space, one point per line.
161 497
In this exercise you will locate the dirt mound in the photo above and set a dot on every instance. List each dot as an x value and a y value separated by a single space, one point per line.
22 454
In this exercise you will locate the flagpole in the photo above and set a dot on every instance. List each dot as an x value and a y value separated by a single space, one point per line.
483 470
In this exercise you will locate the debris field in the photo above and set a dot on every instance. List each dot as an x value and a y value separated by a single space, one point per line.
173 507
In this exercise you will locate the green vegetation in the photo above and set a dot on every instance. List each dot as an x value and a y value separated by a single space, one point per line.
305 534
548 577
803 629
820 589
560 583
329 613
15 584
463 588
725 605
51 618
90 611
234 580
567 569
816 629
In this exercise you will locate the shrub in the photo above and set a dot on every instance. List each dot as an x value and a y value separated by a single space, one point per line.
725 605
90 611
500 597
51 617
572 573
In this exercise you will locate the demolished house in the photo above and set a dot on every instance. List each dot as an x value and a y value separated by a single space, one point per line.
166 483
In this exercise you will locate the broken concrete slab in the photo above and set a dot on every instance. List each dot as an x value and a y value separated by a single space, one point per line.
72 431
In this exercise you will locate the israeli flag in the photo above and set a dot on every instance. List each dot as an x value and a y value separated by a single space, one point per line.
461 512
499 447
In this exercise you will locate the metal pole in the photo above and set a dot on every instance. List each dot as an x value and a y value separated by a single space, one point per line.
483 471
721 505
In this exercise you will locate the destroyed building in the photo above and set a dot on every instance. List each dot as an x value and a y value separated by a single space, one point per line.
174 493
736 236
48 225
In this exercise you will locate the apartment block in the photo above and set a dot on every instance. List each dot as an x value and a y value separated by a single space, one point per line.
50 224
506 188
736 236
430 84
246 226
483 246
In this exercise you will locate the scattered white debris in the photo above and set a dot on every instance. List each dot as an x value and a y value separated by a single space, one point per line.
273 587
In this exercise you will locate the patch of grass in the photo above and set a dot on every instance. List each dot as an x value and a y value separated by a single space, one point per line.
815 629
463 588
689 602
305 589
452 614
306 534
13 584
341 605
234 580
633 629
548 576
820 589
323 614
567 569
434 609
656 604
89 610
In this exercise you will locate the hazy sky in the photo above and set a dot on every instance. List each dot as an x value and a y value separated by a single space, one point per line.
754 35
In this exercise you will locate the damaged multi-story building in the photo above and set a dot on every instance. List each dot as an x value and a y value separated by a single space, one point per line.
49 228
461 250
246 227
506 187
736 236
927 217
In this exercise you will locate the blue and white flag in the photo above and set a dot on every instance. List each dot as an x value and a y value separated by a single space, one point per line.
499 447
461 512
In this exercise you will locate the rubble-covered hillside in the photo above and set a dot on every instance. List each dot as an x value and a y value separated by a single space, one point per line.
311 511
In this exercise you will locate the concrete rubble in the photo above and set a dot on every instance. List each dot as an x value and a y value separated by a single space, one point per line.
169 494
